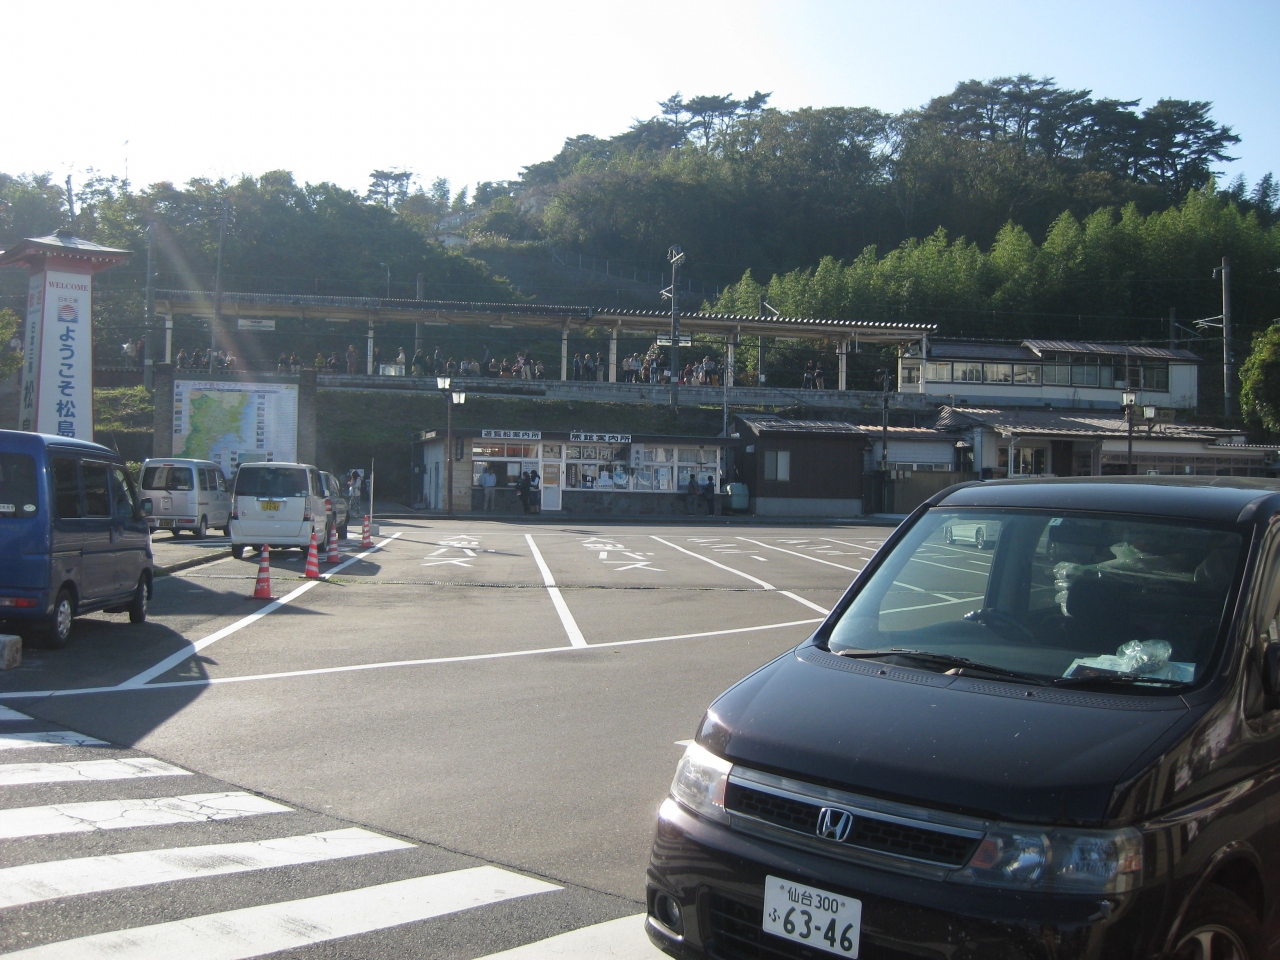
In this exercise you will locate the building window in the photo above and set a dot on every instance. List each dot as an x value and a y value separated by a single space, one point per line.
940 371
1026 374
1084 371
1155 376
968 372
777 465
1058 373
1030 460
998 372
910 373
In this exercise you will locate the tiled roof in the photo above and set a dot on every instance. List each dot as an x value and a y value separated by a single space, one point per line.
1064 422
1111 349
981 351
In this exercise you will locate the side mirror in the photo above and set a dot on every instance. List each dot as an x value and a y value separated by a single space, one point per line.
147 507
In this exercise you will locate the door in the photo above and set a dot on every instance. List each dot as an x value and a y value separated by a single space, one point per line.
551 486
99 579
129 532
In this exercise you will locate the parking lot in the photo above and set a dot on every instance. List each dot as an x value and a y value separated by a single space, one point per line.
513 693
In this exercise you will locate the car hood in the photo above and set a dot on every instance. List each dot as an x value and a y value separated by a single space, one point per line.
986 748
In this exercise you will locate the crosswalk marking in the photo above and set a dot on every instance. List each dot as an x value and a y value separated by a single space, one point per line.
48 738
16 774
36 882
622 939
123 814
255 931
8 713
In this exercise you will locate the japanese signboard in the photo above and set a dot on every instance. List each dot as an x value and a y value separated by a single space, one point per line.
511 434
599 438
57 369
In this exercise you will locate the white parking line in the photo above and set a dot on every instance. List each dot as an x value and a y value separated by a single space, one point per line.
804 556
273 927
846 543
621 939
59 818
54 879
48 738
557 599
171 661
768 586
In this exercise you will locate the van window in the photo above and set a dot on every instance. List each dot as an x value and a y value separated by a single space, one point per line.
271 482
18 485
97 491
66 488
167 478
204 478
122 497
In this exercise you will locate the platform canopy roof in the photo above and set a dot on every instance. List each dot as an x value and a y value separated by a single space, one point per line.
510 315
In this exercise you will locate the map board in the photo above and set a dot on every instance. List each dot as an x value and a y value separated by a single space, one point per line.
232 423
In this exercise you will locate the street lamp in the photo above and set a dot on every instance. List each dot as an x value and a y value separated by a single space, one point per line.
451 396
1129 400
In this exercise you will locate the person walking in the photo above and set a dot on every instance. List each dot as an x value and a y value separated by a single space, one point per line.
535 491
353 494
489 483
353 359
692 495
819 378
522 491
709 494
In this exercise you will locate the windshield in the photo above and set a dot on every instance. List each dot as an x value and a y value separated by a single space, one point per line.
167 478
17 485
271 482
1050 596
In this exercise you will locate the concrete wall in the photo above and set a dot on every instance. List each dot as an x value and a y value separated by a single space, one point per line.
805 507
162 440
307 416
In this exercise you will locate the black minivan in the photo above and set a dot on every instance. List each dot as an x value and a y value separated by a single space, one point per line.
73 535
1066 747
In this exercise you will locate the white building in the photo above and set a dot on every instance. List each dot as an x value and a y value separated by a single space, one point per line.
1060 373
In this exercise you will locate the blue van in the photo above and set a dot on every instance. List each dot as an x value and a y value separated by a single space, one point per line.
73 535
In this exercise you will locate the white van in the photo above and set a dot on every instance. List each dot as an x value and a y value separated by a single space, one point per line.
186 495
278 504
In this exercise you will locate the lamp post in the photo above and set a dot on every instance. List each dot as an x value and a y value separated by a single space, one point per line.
451 396
676 256
1129 400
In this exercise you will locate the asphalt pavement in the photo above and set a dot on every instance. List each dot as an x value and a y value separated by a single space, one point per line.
452 747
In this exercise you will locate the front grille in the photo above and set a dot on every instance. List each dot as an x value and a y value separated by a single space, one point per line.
735 932
868 833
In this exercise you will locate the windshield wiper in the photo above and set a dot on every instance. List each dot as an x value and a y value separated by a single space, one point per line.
949 659
1119 680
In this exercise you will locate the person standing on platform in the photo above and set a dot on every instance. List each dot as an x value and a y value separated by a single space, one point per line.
489 483
535 491
522 491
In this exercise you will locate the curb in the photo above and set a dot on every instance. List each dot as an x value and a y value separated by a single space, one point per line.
701 520
190 562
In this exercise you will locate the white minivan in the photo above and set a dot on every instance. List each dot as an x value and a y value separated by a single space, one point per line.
186 495
278 504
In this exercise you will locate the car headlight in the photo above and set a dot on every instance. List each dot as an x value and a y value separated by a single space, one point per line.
1062 861
700 783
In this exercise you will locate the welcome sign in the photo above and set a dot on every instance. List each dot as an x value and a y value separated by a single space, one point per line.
57 368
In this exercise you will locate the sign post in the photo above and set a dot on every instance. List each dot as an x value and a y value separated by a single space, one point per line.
57 343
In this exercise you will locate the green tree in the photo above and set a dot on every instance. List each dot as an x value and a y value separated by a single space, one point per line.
1260 379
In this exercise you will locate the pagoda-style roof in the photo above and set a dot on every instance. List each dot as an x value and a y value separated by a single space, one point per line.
61 243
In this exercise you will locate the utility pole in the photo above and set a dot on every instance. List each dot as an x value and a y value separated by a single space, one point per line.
676 256
217 283
417 327
1225 271
884 421
71 200
149 317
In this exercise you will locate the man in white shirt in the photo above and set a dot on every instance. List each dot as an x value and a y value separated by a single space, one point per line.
489 482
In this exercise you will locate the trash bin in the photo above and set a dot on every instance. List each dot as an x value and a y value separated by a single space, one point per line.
739 497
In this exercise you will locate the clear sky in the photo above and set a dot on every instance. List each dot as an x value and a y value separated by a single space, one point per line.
475 91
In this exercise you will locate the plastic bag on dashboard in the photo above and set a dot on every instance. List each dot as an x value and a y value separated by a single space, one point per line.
1137 658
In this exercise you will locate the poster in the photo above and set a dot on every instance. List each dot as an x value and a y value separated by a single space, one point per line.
232 423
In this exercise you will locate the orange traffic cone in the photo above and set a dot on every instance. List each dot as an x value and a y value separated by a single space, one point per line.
313 560
262 589
366 541
333 546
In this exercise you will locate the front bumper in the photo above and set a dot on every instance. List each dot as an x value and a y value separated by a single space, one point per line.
717 876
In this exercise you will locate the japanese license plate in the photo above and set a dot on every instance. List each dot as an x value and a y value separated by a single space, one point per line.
269 505
165 523
816 918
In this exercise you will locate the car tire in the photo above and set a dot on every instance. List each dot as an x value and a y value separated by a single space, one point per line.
1219 924
56 632
980 539
237 550
202 529
342 532
141 598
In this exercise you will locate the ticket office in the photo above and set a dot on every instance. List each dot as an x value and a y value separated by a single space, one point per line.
618 463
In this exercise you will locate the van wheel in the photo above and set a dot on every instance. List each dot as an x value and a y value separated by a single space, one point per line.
202 528
141 597
56 632
237 550
1220 926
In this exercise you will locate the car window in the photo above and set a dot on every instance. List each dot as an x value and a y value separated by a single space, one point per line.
271 482
153 478
222 481
122 496
204 478
18 485
66 487
1059 595
179 478
97 489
